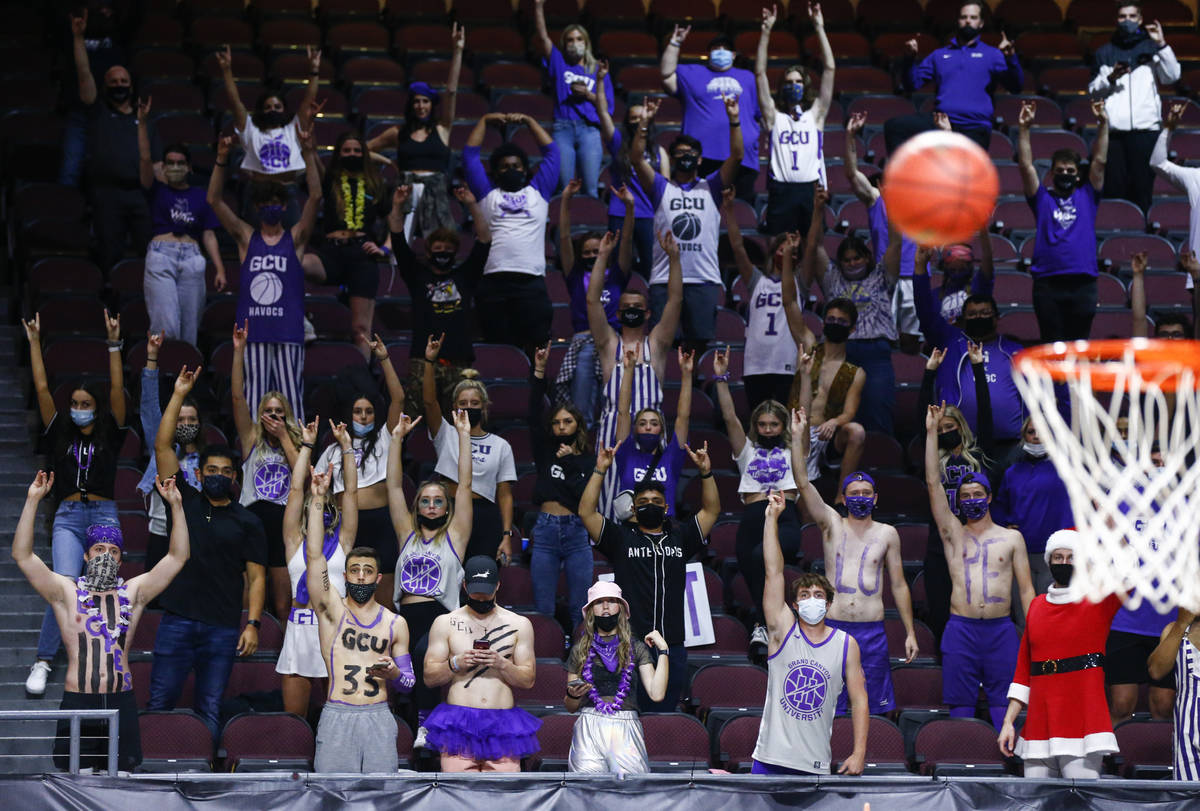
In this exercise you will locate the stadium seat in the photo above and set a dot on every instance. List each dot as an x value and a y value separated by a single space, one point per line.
959 746
730 645
270 635
554 737
550 682
926 642
1111 291
135 528
210 33
885 745
1115 324
364 71
175 741
675 742
268 742
1049 46
1167 290
143 636
719 691
1020 325
1160 253
548 637
863 80
358 38
1119 215
1145 749
880 108
516 588
1169 218
736 742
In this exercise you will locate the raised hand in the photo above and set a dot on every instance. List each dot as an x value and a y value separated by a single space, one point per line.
464 195
820 197
433 347
933 417
371 249
458 36
624 194
608 242
856 123
680 34
308 433
1027 114
305 136
404 427
806 363
666 240
541 356
935 358
225 59
1188 261
240 334
274 426
655 640
687 361
974 352
769 16
912 46
1006 46
314 59
630 359
41 486
1155 31
1175 114
462 423
650 109
1100 112
378 348
727 199
700 458
775 504
601 70
33 328
400 196
79 24
942 121
320 483
169 492
154 341
572 188
186 379
143 108
224 144
814 14
340 434
605 456
731 107
112 326
799 422
1138 263
721 362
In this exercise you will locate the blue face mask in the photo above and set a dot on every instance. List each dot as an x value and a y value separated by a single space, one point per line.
83 417
860 506
270 215
720 58
793 94
362 430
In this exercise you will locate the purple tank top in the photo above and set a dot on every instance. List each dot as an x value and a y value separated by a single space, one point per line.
271 294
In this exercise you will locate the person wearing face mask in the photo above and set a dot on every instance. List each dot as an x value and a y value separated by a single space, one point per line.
483 652
367 648
857 548
1059 679
83 446
797 725
493 469
1128 71
562 453
183 220
649 558
979 644
271 288
602 668
797 157
579 376
963 71
870 284
97 615
706 91
1174 326
1032 498
202 608
516 206
272 152
103 26
1064 250
115 195
422 148
435 532
577 86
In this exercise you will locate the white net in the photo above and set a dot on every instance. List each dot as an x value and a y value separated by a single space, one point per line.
1138 520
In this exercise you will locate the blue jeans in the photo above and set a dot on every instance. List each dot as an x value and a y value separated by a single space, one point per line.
585 388
643 242
74 147
874 355
579 153
698 323
182 646
174 285
68 537
560 541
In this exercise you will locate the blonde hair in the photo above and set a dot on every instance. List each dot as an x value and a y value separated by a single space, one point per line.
470 380
589 60
775 409
624 635
443 533
289 420
971 452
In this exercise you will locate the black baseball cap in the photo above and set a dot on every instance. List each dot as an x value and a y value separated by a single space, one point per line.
481 575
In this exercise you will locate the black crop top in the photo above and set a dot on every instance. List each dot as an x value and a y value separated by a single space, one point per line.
430 155
375 207
84 463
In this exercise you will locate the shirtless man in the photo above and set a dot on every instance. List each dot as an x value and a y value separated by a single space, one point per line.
98 614
367 646
482 651
980 643
856 548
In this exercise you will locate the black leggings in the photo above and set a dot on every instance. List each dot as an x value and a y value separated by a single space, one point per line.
420 617
486 527
767 387
750 546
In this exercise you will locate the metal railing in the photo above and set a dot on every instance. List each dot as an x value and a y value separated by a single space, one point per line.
75 717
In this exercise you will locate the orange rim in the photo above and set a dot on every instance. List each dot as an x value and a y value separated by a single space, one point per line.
1157 359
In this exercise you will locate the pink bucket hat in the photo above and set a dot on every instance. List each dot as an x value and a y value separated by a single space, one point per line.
603 589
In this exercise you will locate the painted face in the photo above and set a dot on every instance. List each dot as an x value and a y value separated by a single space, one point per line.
432 502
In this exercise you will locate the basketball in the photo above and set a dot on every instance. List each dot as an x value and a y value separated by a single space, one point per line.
940 187
686 226
266 288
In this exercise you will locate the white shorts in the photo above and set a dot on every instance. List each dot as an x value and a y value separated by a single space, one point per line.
301 652
904 309
608 743
818 453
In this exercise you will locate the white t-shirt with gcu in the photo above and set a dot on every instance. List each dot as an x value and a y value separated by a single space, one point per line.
491 460
692 214
371 471
518 222
797 149
770 349
271 152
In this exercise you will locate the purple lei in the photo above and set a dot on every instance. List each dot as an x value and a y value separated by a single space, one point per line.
87 603
599 704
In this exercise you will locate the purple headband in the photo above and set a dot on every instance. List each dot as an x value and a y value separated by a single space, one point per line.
105 533
857 476
423 89
974 477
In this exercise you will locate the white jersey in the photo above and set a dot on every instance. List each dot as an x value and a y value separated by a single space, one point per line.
271 152
371 471
693 216
518 222
803 684
427 569
266 476
336 565
797 149
770 349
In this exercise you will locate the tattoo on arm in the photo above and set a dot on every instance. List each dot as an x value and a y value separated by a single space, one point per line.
325 579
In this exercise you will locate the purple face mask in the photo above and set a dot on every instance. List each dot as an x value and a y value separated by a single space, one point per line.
973 509
860 506
270 214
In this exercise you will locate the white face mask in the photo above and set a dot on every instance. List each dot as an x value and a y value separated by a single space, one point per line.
812 610
576 50
1034 449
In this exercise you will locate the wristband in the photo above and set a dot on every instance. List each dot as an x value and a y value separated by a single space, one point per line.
735 123
117 344
256 623
407 678
314 73
721 378
308 445
707 475
386 250
118 349
678 43
218 163
346 451
453 664
598 472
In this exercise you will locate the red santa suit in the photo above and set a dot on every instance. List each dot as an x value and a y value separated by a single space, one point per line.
1067 713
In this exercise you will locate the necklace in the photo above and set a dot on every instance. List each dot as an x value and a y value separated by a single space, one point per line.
87 603
354 212
599 704
80 452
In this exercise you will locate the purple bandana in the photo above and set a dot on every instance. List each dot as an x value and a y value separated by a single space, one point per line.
105 533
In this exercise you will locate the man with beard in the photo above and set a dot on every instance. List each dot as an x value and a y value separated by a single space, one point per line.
98 614
483 651
367 646
442 292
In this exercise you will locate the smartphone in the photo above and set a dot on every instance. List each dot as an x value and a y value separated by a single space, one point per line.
576 683
482 644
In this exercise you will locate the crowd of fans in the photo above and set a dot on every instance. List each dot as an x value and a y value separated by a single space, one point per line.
314 516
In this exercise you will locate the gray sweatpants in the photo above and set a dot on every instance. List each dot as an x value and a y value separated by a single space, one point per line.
356 739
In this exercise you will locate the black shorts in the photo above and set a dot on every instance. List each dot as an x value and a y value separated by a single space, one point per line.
789 206
271 515
93 743
1125 660
348 265
375 530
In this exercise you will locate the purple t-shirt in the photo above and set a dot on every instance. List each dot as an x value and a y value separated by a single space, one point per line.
271 293
1144 620
877 222
632 463
700 89
566 104
577 284
182 212
1066 232
642 207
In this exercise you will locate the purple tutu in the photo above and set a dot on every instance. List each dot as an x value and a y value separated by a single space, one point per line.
482 734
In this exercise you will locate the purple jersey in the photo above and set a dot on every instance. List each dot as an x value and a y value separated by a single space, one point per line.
642 207
632 463
700 89
1065 241
877 222
271 294
1144 620
577 282
182 212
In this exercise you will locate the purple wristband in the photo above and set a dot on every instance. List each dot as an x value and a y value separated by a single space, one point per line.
407 678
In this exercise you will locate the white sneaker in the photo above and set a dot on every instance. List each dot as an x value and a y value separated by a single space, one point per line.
35 685
310 332
419 742
758 638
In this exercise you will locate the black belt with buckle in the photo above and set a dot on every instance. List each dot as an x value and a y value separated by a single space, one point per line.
1071 664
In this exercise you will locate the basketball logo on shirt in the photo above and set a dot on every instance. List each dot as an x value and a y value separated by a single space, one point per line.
271 481
181 212
686 226
720 86
804 689
768 466
266 288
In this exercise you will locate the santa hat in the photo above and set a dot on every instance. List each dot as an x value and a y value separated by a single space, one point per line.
1067 539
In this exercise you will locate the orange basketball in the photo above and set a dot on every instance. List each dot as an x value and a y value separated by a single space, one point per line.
940 187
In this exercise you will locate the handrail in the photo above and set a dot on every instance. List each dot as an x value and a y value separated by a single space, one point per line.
112 716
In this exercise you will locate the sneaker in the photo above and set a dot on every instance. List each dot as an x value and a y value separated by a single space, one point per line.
758 640
310 332
35 685
419 742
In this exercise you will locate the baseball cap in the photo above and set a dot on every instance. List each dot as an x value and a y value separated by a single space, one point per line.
481 575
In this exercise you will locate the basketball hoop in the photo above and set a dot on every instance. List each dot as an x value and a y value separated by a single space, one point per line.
1139 522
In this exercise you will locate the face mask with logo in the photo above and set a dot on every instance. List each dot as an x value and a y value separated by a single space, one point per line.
511 180
720 58
836 333
102 572
1062 573
978 328
633 317
860 506
687 162
442 260
474 416
83 417
1035 449
575 50
793 94
270 214
362 430
361 593
216 485
973 509
650 515
812 610
1065 182
949 440
432 522
186 434
607 624
176 175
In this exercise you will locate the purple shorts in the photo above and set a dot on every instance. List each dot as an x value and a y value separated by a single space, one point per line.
482 734
770 768
978 652
873 649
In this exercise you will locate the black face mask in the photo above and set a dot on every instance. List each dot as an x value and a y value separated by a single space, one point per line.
437 522
566 439
606 624
771 441
587 263
978 328
1129 33
480 606
632 317
1064 182
119 94
474 416
687 162
442 260
361 593
1062 573
836 333
949 440
272 120
650 515
966 33
511 180
216 486
352 163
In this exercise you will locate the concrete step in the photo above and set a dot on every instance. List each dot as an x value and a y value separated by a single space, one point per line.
16 690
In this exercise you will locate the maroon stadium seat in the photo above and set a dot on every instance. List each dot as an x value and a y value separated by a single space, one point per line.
270 634
1047 46
1167 289
174 96
1114 324
135 526
885 745
864 80
1013 288
64 274
73 315
847 46
1065 81
423 10
156 30
883 450
358 37
958 746
495 42
173 356
893 45
918 688
926 643
143 636
516 588
548 638
186 128
288 34
550 682
736 742
731 640
210 33
1019 324
1170 217
1018 14
1015 214
175 741
675 741
554 736
891 13
477 13
141 685
728 687
365 71
1120 215
437 71
1111 291
268 741
1145 748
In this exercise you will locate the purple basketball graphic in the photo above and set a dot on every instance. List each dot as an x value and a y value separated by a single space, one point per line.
804 689
685 226
266 288
768 466
274 154
271 481
420 574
